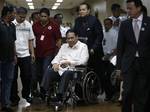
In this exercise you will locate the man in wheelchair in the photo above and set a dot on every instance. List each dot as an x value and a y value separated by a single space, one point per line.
71 54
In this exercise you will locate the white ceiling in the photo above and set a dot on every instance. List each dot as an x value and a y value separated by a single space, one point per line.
67 4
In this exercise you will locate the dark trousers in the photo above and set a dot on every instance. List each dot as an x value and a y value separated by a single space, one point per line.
25 74
108 87
51 76
136 86
0 85
147 108
41 65
7 75
96 64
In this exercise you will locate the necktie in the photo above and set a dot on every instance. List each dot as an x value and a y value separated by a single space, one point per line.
136 30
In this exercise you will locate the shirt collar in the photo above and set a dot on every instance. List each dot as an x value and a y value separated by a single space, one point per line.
16 23
3 22
75 46
140 18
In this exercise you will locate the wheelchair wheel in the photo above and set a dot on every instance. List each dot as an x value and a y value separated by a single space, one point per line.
91 88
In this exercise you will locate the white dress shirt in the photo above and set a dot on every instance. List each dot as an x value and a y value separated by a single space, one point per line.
121 18
140 18
63 30
139 22
110 41
24 33
76 55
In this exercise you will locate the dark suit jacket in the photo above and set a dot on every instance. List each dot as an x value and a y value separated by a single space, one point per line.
90 27
127 45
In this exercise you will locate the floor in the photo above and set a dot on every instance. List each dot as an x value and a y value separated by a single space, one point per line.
101 107
38 106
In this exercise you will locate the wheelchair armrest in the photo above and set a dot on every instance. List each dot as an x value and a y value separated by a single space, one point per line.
80 66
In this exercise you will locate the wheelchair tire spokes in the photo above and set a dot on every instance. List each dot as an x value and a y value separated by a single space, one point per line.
92 87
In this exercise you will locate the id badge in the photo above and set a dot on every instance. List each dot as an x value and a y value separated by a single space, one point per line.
42 37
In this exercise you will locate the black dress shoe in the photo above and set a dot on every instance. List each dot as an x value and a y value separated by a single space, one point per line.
29 99
15 100
14 103
7 109
107 99
119 102
58 106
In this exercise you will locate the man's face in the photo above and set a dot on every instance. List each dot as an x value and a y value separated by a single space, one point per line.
20 18
11 15
59 19
107 25
36 17
83 10
44 17
71 39
116 13
132 10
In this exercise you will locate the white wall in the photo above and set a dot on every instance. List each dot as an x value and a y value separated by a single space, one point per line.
69 15
103 7
147 4
1 5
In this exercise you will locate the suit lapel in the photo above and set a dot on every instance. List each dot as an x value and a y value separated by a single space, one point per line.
131 31
143 28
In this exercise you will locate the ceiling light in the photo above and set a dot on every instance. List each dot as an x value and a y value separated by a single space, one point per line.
31 7
30 3
57 4
59 1
29 0
55 7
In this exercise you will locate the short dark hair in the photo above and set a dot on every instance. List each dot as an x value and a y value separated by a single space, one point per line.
115 6
6 10
58 15
87 5
108 19
144 10
45 10
71 31
22 10
33 14
138 3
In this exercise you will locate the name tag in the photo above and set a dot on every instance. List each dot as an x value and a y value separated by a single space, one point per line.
42 37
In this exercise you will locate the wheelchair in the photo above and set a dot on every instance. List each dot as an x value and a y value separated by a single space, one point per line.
85 86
